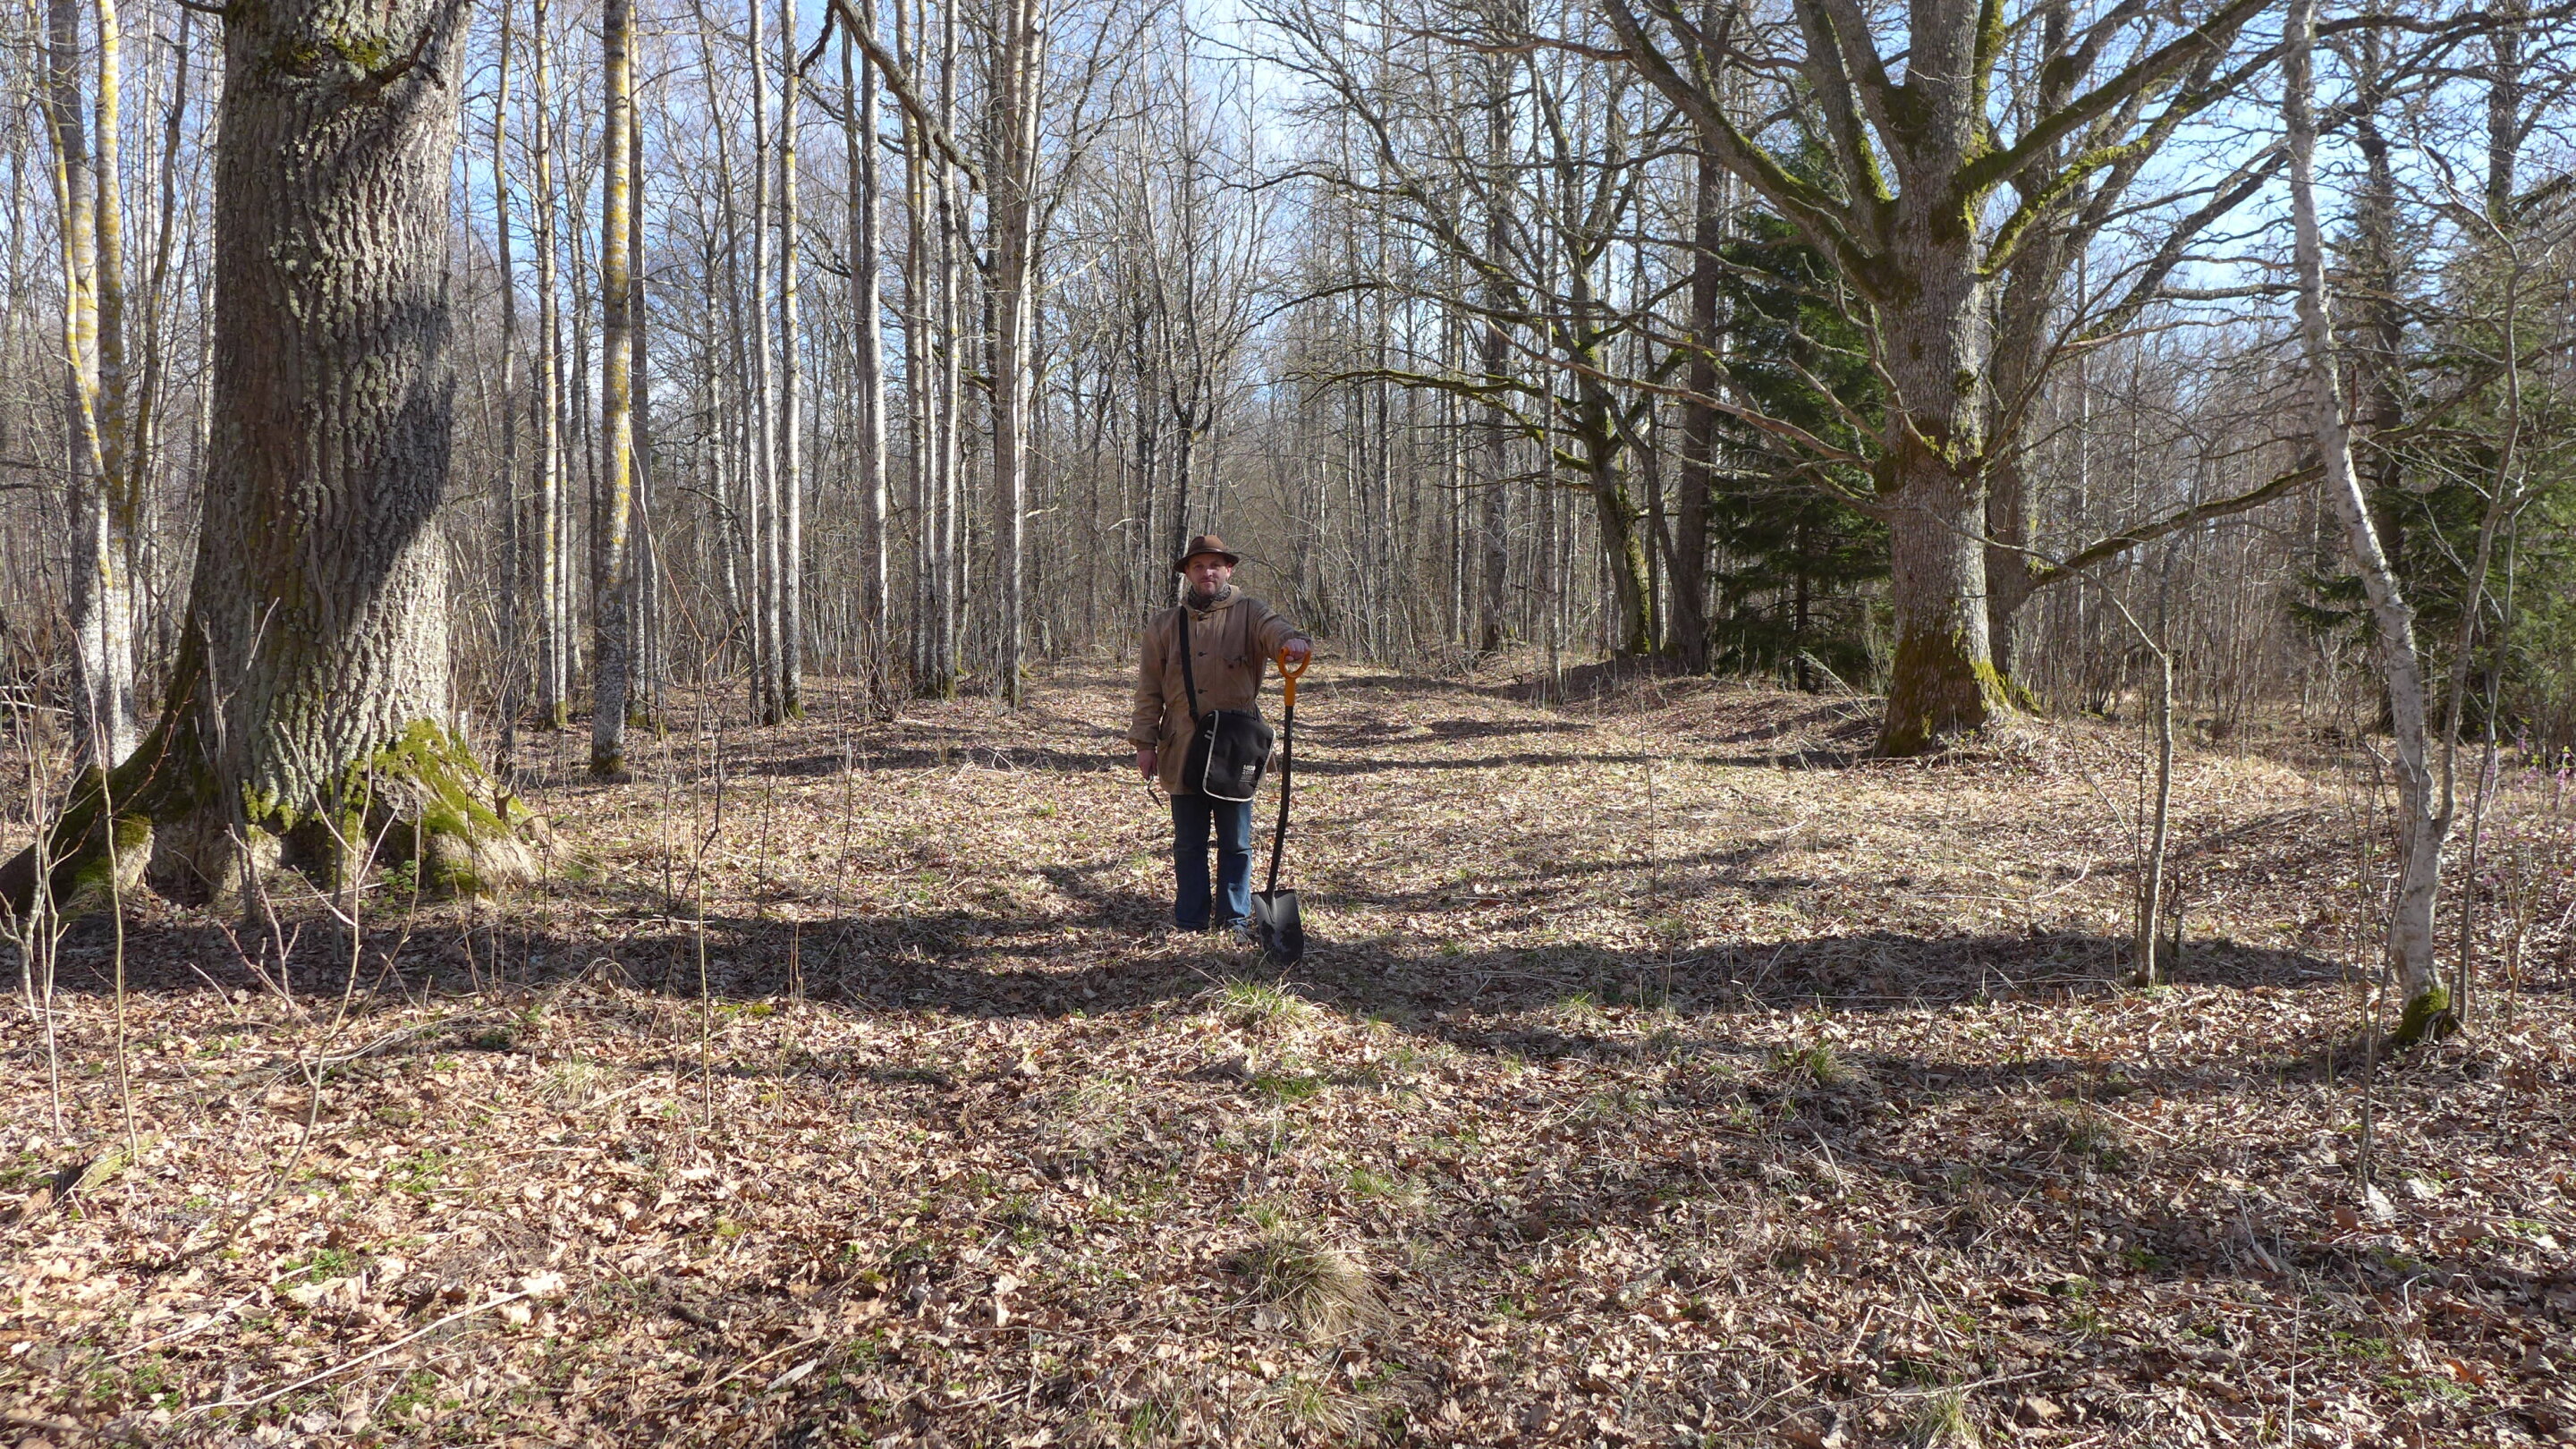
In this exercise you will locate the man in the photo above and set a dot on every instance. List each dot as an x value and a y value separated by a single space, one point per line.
1233 637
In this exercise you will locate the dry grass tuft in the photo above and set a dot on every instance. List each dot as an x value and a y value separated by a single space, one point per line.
2090 1136
1323 1289
570 1085
1251 1005
1815 1062
1943 1423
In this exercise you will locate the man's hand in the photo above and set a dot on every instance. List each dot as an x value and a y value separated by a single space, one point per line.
1297 651
1145 760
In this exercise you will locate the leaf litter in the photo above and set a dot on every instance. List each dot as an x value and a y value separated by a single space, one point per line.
1661 1072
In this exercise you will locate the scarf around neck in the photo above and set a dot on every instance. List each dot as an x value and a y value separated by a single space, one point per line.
1200 603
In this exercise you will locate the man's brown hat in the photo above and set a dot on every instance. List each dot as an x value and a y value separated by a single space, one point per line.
1205 543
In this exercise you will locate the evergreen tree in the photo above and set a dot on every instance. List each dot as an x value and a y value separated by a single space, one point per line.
1795 564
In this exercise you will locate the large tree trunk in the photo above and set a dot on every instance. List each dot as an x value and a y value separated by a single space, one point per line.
2422 823
1942 680
308 716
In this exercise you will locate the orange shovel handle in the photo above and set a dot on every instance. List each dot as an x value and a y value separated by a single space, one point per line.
1292 674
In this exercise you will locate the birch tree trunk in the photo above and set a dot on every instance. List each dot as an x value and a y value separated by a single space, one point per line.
761 477
859 137
102 582
2423 823
644 672
120 459
791 454
553 685
514 582
1015 118
612 580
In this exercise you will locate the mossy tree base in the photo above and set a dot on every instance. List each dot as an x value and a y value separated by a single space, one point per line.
2428 1017
417 809
1940 690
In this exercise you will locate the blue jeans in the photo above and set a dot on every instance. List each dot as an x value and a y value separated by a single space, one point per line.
1192 817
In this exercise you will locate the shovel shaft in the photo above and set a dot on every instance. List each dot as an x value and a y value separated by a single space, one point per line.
1287 759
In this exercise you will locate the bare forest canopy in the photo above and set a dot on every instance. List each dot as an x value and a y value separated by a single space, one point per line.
1739 335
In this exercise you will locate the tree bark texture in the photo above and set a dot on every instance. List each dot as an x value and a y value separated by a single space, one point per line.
1014 218
102 512
1930 484
308 714
320 590
612 576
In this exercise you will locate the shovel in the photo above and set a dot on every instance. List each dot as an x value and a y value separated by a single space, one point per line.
1275 923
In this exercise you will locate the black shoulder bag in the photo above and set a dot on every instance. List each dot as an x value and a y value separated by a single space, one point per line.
1228 748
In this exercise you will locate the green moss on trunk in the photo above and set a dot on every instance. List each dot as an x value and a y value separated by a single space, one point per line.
418 805
435 810
164 777
1938 688
2427 1018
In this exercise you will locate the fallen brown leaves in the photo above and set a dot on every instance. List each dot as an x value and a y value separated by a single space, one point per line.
1660 1074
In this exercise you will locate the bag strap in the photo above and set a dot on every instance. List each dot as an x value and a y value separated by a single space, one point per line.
1243 649
1189 676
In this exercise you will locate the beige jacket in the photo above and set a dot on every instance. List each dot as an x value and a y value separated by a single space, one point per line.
1231 647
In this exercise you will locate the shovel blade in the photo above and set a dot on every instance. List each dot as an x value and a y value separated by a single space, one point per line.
1277 926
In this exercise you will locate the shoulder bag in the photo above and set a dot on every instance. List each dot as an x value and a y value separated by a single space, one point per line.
1229 746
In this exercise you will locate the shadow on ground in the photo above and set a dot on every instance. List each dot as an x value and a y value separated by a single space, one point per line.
1113 952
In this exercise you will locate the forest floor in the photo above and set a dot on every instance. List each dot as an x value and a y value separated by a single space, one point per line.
1662 1072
